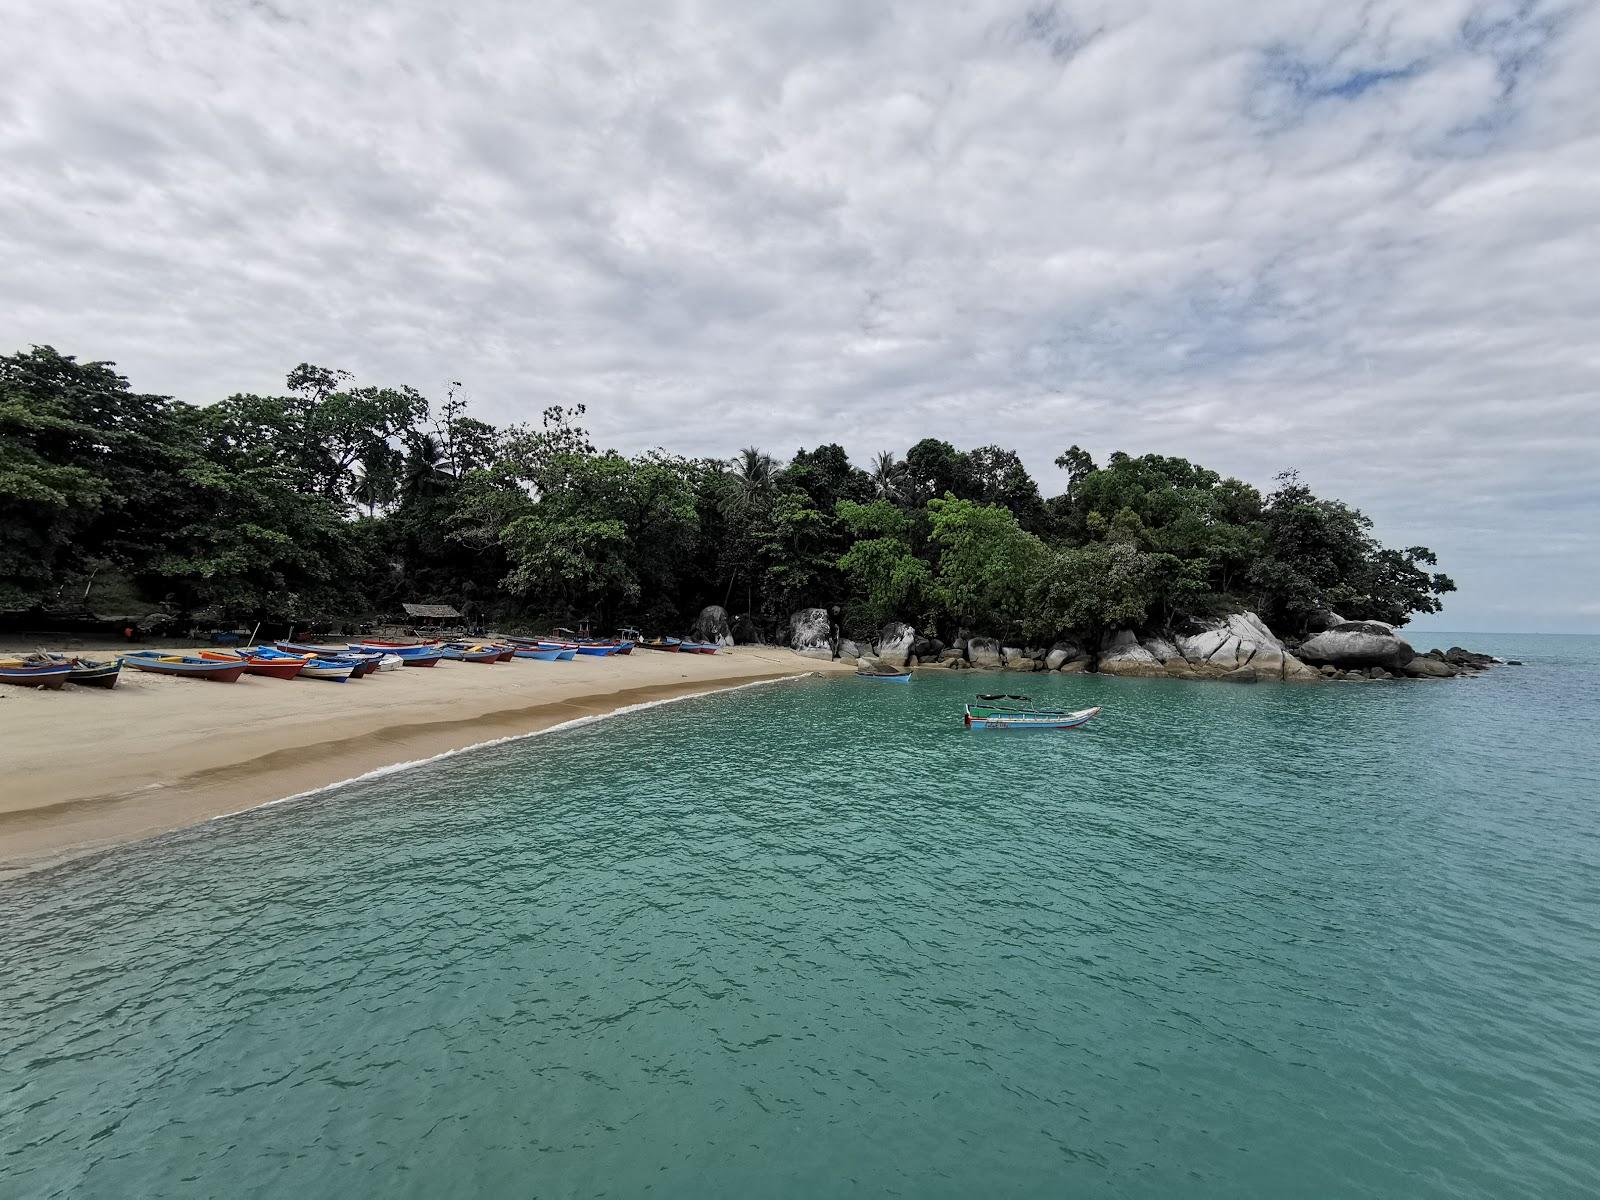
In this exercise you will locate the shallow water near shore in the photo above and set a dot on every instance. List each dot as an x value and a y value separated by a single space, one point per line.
816 939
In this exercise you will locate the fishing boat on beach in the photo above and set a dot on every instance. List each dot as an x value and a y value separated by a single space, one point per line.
470 652
411 654
22 673
536 653
273 666
364 662
86 672
995 711
159 662
698 648
670 645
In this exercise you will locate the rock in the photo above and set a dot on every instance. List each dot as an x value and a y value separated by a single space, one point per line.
850 649
950 653
1358 644
1062 652
1075 666
1122 655
712 626
1295 671
1238 640
959 664
1179 668
1322 620
1161 650
1425 666
1470 659
1378 673
746 632
927 648
1011 653
811 633
1513 662
1244 674
895 641
983 652
1328 670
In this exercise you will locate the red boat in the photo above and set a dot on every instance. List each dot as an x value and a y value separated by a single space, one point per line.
272 668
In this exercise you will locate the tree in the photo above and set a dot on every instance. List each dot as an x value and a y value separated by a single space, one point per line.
889 480
985 561
886 579
935 468
1092 590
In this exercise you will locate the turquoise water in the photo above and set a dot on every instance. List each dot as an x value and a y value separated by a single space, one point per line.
815 939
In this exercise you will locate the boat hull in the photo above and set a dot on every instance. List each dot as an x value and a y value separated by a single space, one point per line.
1021 721
190 668
898 677
533 652
268 668
50 676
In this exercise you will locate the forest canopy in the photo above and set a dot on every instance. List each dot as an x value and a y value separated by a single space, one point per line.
335 502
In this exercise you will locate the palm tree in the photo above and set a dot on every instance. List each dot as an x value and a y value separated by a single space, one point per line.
754 480
426 472
888 477
380 477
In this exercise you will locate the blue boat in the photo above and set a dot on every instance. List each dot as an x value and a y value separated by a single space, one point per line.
534 652
885 676
987 714
160 662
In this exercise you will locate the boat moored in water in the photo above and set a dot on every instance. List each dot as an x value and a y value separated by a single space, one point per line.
989 712
885 676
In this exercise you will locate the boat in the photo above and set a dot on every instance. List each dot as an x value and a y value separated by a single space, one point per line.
990 713
273 665
391 662
161 662
365 662
565 651
698 648
86 672
470 652
670 645
507 651
885 676
419 655
597 649
534 652
22 673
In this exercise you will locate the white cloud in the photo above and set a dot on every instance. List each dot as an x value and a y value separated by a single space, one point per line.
1359 240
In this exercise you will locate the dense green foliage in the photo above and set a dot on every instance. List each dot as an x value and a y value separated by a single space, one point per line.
335 502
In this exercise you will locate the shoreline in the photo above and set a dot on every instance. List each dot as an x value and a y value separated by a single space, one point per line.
169 763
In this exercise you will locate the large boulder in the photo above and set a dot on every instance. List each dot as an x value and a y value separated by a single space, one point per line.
811 633
1161 649
1425 666
1062 653
895 641
1237 640
1358 644
983 652
712 626
850 649
1121 654
1456 656
746 632
927 649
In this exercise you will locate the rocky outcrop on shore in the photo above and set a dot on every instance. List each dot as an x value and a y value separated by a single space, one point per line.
811 633
1358 644
1237 648
712 626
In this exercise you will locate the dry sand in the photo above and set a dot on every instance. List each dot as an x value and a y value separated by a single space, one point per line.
87 769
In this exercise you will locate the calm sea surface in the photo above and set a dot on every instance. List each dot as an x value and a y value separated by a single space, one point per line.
815 939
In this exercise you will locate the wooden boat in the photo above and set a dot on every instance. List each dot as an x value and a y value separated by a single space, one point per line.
470 652
162 663
597 649
507 651
534 652
670 645
422 655
20 673
275 665
698 648
565 651
990 713
885 676
86 672
365 662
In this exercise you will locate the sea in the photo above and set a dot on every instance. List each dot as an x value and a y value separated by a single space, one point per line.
815 938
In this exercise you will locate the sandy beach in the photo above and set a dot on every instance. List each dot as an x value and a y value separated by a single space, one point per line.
90 769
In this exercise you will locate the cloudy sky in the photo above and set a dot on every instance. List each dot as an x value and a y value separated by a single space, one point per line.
1357 239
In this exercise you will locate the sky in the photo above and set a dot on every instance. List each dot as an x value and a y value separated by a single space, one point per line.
1359 240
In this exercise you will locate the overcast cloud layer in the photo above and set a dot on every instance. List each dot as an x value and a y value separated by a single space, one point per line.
1355 239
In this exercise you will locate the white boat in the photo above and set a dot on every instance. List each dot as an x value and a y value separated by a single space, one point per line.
391 662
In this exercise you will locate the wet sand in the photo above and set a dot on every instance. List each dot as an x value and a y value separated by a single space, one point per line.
89 769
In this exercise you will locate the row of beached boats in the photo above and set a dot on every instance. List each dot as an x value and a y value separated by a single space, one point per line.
300 660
